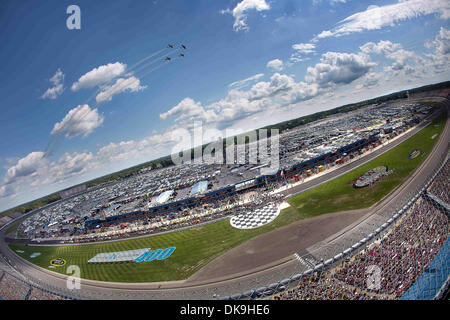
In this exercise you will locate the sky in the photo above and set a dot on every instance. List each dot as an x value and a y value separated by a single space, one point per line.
80 103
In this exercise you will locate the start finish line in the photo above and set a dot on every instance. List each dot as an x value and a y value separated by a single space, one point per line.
138 255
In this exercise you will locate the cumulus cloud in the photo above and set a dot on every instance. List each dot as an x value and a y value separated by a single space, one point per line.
338 68
151 146
7 191
25 166
275 64
441 42
382 47
279 92
437 62
278 83
189 110
81 120
57 88
370 80
67 166
131 84
401 58
35 170
240 12
393 51
375 18
99 75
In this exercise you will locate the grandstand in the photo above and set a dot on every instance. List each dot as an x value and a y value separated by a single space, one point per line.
72 191
441 186
402 256
14 288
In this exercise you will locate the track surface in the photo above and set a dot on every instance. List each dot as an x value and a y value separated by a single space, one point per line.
262 257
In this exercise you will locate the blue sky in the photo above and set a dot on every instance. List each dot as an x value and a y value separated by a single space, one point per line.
248 63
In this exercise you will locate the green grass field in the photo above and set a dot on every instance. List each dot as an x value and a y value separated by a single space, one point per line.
198 246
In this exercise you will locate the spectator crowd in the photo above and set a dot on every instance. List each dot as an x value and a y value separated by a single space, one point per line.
440 186
401 256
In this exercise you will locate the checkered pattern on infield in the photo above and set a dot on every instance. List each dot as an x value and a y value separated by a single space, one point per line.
256 218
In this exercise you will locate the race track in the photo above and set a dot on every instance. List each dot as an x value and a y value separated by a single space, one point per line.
261 260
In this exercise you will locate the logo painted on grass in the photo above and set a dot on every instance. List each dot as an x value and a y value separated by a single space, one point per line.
415 154
57 262
158 254
35 254
137 255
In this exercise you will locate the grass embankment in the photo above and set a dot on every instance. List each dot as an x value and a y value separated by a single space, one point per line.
198 246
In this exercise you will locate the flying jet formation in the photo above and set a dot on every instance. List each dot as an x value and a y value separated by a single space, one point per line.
140 69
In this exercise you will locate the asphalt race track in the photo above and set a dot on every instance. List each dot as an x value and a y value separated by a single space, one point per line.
261 260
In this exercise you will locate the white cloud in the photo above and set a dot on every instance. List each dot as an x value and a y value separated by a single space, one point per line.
240 12
131 84
58 86
441 42
281 91
149 147
81 120
400 57
188 110
24 167
99 75
339 68
275 64
53 92
7 191
382 47
370 80
305 48
278 84
243 83
35 170
437 62
302 49
393 51
67 166
375 18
